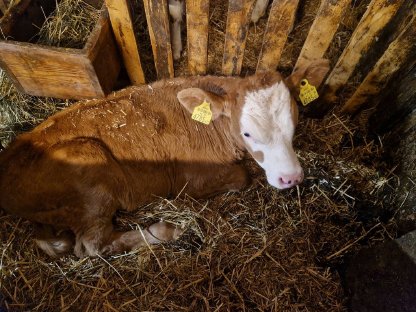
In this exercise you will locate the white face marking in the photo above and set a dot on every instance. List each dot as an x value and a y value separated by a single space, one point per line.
267 126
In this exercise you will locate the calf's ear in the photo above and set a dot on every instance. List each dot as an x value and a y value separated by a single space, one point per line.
314 72
193 97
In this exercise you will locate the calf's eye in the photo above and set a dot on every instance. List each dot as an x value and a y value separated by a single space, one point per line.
246 134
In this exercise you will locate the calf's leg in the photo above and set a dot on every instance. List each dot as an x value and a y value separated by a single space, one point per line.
125 241
94 187
209 180
52 242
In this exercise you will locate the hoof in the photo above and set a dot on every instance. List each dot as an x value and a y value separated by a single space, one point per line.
164 232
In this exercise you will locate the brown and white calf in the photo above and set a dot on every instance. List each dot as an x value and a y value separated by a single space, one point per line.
72 172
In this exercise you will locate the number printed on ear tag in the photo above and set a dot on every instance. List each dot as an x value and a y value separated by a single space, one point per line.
308 92
202 113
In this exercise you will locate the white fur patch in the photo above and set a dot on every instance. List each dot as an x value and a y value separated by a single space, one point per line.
267 126
176 10
266 111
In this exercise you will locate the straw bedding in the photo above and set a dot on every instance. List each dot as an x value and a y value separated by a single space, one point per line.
260 249
256 250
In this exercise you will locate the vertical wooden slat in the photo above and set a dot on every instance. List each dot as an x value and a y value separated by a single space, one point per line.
122 25
389 63
197 31
378 14
159 31
281 19
322 30
238 21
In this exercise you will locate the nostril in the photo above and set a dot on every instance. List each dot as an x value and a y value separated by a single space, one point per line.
285 180
290 180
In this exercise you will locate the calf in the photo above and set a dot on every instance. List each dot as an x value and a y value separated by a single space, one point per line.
72 172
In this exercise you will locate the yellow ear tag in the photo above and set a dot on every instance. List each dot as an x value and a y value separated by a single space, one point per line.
308 92
202 113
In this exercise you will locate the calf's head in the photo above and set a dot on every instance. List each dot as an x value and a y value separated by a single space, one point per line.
263 116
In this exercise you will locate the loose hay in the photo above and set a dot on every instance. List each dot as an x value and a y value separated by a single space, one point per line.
20 112
70 24
260 249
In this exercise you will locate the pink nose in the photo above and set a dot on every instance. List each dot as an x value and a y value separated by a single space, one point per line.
287 181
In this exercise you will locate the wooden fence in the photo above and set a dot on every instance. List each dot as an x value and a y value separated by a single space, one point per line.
380 15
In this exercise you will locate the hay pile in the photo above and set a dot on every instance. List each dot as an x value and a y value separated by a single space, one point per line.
20 112
260 249
70 24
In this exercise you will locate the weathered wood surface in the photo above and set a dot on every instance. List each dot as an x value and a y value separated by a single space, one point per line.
322 30
238 21
399 100
122 25
197 18
396 55
159 31
378 14
8 22
280 23
61 72
3 6
101 50
44 71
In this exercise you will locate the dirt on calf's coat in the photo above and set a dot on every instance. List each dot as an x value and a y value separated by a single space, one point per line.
72 172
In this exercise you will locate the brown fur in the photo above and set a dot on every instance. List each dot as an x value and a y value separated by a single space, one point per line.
72 172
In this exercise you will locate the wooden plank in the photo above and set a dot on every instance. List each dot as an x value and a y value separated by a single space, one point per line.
395 56
20 26
3 6
197 16
159 31
281 19
122 25
47 71
322 31
8 22
238 20
399 101
378 14
102 52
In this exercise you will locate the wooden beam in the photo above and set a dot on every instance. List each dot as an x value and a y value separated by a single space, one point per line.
9 23
395 56
197 16
3 6
122 25
378 14
322 30
159 30
238 21
280 23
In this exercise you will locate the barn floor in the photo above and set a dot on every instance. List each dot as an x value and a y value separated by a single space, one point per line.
260 249
256 250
